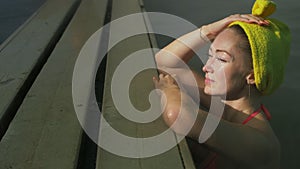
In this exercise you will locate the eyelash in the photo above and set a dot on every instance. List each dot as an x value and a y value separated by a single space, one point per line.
222 60
218 58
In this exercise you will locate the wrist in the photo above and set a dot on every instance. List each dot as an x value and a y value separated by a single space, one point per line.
172 89
172 96
206 34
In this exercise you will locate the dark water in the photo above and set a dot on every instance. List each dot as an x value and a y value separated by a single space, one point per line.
13 13
283 104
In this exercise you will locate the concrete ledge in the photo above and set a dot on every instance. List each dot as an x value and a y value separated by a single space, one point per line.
179 156
45 132
26 51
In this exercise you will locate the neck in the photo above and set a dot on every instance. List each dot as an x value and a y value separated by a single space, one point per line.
246 103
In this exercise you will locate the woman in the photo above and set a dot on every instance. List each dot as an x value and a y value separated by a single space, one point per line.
246 61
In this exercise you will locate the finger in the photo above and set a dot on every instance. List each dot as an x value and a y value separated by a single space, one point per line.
262 21
237 17
155 80
254 19
174 77
171 79
249 18
161 76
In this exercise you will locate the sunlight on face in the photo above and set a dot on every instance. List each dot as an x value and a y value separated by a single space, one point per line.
227 66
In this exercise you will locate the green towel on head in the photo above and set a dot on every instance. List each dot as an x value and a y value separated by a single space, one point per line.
270 47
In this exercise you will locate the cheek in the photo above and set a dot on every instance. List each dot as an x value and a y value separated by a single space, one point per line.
229 78
221 75
219 87
235 82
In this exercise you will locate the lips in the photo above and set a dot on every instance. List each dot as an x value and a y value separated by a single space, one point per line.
208 80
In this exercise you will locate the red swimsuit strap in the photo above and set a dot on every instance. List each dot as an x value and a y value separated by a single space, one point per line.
212 161
261 108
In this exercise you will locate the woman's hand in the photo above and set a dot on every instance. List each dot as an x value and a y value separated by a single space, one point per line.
165 82
213 29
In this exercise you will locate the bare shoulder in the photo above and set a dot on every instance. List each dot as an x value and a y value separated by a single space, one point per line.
270 154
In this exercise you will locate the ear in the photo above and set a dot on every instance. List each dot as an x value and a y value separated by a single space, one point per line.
250 78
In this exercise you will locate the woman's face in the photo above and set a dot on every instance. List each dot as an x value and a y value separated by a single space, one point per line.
227 66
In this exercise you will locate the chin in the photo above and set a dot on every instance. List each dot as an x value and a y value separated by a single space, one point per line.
208 91
213 92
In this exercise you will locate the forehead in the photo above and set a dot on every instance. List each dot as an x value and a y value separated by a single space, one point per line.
228 40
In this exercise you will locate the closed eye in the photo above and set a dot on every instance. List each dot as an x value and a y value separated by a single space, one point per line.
221 59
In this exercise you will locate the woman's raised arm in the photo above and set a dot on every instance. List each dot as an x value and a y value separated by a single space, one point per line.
185 46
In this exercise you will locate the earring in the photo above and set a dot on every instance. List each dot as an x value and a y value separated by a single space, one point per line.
249 90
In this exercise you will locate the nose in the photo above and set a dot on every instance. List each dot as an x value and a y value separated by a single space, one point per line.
208 66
